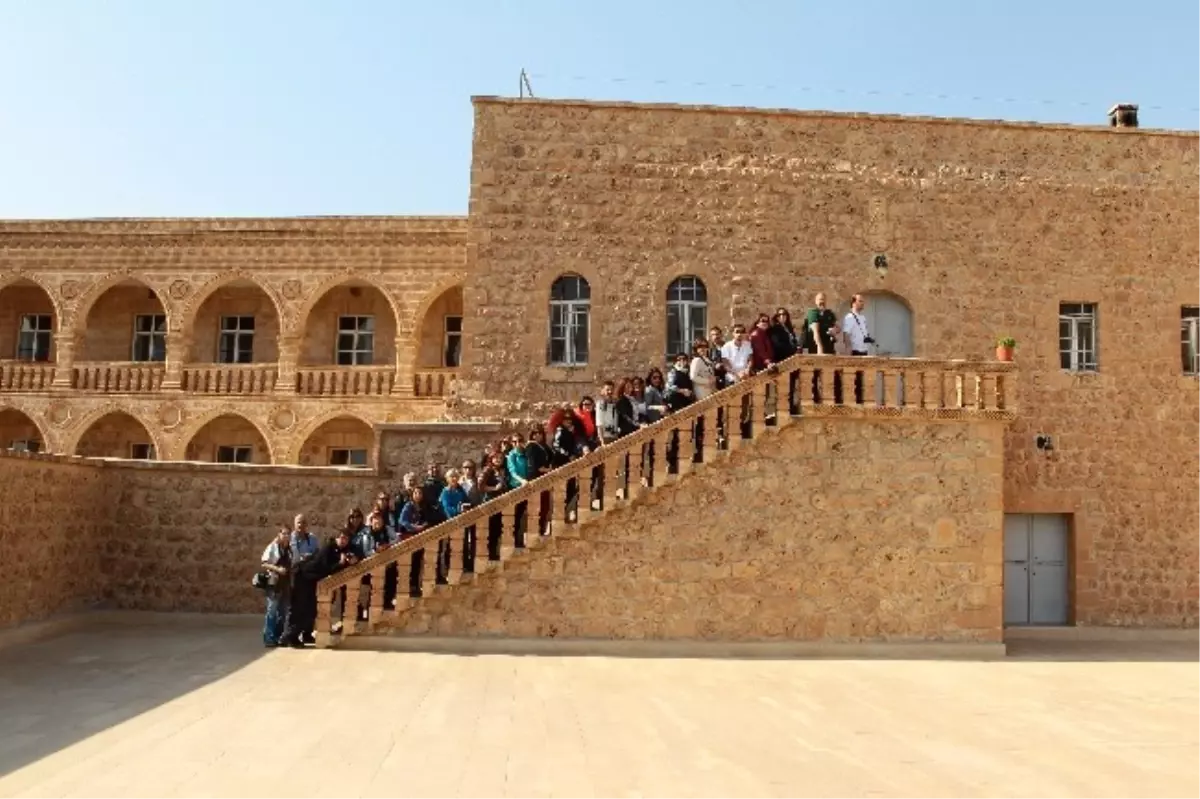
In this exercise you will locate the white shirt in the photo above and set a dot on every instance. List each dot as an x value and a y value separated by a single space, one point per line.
854 326
738 357
702 377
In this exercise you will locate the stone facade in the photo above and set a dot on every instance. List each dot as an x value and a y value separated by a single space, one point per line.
986 227
808 535
95 281
53 524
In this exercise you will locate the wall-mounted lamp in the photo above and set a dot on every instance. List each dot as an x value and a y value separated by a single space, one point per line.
881 265
1044 443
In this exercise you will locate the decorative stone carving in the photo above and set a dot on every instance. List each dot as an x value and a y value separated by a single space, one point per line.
878 229
179 289
69 289
283 418
170 415
291 289
58 413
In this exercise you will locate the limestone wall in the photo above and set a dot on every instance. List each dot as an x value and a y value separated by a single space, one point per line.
837 530
54 520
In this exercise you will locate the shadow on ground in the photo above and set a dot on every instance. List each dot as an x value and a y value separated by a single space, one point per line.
1134 651
58 691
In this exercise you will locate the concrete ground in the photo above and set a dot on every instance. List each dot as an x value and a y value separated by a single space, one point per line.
148 710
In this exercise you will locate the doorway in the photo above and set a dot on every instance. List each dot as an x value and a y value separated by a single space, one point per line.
889 321
1036 572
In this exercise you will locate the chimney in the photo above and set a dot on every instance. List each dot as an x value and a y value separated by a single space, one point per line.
1123 115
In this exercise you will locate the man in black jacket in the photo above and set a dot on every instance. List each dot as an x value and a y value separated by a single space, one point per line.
333 556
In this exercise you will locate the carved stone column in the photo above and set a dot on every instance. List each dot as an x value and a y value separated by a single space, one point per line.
179 345
64 360
405 368
289 356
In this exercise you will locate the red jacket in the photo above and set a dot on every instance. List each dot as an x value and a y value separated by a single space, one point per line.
762 353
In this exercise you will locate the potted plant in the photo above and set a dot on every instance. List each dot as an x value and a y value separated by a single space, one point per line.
1004 348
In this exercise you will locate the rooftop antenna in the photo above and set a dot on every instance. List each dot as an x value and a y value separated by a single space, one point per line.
525 89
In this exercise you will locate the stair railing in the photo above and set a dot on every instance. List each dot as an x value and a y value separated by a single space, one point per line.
470 544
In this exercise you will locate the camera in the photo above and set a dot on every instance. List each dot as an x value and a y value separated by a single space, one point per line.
869 340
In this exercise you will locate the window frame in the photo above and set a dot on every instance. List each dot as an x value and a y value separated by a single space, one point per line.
356 351
1189 336
237 334
447 336
150 336
151 454
234 449
350 452
571 310
684 309
24 445
37 333
1076 355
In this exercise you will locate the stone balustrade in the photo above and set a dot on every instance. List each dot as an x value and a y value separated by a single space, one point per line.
118 377
433 382
25 376
222 378
664 452
345 381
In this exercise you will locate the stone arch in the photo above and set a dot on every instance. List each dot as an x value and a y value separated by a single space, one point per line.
15 423
187 318
86 345
412 324
417 341
55 300
301 438
197 426
116 443
20 296
83 306
85 422
301 331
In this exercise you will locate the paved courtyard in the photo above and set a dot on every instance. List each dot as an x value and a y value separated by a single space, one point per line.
202 711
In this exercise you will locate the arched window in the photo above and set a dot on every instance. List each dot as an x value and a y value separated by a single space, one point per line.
687 314
570 313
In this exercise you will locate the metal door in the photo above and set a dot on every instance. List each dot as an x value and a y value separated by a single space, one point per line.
890 323
1035 569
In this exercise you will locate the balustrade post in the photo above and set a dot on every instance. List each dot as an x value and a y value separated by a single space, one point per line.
891 380
637 473
758 409
375 607
64 362
452 562
986 400
1006 392
508 531
687 448
558 508
828 381
323 629
615 480
178 345
429 569
659 465
783 399
959 390
733 424
405 369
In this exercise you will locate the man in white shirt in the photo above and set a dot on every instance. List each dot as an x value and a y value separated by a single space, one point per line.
856 337
738 352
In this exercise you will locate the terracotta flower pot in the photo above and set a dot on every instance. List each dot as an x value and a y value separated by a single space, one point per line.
1004 353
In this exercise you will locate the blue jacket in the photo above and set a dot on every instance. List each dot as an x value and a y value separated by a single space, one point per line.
412 516
518 466
453 497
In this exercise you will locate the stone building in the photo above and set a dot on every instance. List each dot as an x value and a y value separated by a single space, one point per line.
602 236
259 341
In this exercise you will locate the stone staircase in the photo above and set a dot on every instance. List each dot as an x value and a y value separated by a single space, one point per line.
891 388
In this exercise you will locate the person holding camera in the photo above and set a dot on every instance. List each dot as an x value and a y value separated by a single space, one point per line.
333 556
276 570
856 336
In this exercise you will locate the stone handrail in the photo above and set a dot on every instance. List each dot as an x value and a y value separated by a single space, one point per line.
433 382
345 381
890 387
118 377
226 378
26 376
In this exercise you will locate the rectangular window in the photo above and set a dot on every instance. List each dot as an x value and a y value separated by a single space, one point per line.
569 333
233 454
237 340
33 337
348 457
355 340
1189 341
452 341
141 452
149 337
1077 336
26 445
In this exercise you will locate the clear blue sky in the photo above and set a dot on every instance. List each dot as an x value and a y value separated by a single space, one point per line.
265 107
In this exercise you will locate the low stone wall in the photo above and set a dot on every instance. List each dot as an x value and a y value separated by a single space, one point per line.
412 447
838 530
152 535
54 520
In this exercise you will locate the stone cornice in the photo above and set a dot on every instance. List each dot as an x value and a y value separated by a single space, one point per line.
193 225
14 240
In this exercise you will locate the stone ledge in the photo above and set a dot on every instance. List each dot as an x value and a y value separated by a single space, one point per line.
748 650
439 427
1103 634
280 469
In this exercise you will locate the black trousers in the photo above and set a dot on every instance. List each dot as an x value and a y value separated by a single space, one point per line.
302 612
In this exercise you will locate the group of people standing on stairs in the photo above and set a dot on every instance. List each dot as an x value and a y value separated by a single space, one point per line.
296 560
